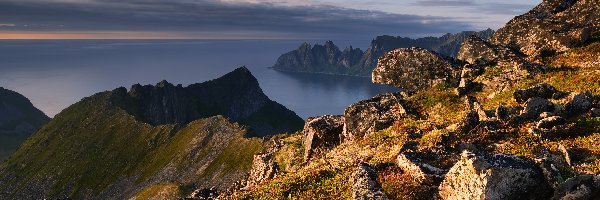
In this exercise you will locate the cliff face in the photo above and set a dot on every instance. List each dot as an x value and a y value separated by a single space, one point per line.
18 119
236 95
328 58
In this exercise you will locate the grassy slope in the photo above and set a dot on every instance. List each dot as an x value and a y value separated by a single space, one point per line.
327 176
92 144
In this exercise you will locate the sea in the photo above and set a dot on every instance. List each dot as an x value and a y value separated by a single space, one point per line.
55 74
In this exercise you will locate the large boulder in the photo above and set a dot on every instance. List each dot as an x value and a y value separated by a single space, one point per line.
375 114
263 168
322 132
415 69
365 185
493 177
552 26
475 50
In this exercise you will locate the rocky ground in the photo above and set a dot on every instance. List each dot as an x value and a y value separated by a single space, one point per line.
498 123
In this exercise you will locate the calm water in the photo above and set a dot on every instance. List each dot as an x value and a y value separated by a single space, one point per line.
56 74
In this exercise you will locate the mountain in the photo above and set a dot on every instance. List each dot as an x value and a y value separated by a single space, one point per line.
514 117
18 120
329 59
121 144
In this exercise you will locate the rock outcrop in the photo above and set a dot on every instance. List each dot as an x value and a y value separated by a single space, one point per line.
553 26
18 120
376 114
583 187
321 133
328 58
415 69
263 168
414 165
235 95
494 177
365 185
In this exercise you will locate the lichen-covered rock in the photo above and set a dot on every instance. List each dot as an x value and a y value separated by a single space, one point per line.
552 26
365 185
475 50
536 106
467 76
412 164
493 177
375 114
263 168
578 104
415 69
550 122
595 112
543 90
474 114
583 187
322 132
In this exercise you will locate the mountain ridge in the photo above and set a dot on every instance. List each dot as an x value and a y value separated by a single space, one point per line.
329 59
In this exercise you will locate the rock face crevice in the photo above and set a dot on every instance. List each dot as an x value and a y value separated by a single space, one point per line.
236 95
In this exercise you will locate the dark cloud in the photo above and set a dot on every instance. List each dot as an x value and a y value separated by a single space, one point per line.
501 8
214 16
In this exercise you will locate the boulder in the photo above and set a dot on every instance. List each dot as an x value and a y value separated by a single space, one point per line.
536 106
365 185
375 114
579 104
583 187
550 122
543 90
595 112
263 168
553 26
415 69
474 114
412 164
502 113
322 132
493 177
467 76
475 50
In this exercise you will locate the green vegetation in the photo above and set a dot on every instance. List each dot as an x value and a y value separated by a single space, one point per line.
92 144
320 184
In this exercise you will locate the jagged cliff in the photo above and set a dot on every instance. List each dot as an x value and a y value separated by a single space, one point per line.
18 120
329 59
235 95
151 139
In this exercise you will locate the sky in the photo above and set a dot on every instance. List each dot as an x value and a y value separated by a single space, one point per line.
250 19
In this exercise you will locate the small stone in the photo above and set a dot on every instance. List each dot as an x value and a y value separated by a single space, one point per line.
365 185
322 132
550 122
536 106
543 90
502 113
579 104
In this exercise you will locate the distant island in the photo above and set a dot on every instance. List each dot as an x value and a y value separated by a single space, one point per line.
329 59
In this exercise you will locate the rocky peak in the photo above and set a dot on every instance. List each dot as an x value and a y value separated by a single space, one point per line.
551 27
236 95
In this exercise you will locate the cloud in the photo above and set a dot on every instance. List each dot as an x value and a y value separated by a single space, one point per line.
492 7
256 18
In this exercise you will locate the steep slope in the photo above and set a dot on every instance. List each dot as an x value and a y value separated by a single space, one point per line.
120 144
518 130
329 59
18 120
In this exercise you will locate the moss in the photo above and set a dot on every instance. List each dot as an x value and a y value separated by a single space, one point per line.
159 191
238 155
320 184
